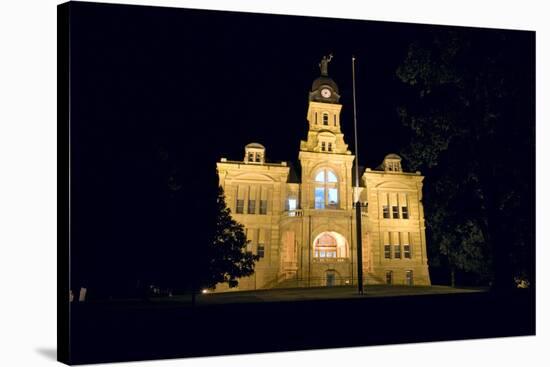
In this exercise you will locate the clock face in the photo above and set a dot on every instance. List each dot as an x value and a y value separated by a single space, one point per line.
325 92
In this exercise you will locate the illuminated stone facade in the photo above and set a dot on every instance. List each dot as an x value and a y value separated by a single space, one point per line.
304 227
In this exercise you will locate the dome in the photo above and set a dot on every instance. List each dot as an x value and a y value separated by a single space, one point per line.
392 156
324 80
255 145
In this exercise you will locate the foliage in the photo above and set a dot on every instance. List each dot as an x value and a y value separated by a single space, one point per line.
228 258
214 246
470 112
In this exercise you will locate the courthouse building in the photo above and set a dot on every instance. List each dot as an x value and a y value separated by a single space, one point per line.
304 228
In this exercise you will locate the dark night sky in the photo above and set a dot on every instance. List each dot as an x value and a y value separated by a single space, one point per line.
140 71
199 85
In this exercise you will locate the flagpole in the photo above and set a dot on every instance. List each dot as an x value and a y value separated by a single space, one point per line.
357 202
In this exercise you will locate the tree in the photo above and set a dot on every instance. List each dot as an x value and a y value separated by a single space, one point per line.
200 244
471 114
228 258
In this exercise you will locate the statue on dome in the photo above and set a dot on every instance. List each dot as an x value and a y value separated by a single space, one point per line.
324 64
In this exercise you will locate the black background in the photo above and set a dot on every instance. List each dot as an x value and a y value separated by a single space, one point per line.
163 93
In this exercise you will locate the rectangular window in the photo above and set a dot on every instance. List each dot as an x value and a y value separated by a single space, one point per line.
386 211
263 200
405 212
332 197
251 157
409 277
407 251
387 251
395 212
315 118
240 206
397 251
258 157
250 238
323 146
389 277
251 206
334 120
325 119
291 204
263 207
261 250
319 198
330 147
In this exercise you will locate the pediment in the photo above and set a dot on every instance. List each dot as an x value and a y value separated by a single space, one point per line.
326 134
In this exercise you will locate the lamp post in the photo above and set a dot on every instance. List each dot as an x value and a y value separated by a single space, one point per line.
356 199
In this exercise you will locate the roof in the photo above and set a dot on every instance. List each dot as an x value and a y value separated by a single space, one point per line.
255 145
324 80
392 156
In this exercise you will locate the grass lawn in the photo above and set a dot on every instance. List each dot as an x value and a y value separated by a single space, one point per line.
309 294
292 319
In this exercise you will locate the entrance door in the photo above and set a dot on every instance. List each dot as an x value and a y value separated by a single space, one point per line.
409 277
331 279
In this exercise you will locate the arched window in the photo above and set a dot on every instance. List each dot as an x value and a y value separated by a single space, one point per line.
325 118
330 245
326 189
325 246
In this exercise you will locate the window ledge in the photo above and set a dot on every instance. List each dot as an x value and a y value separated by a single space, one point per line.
330 259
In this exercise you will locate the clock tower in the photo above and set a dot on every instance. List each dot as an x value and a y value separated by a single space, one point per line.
325 147
323 115
324 107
